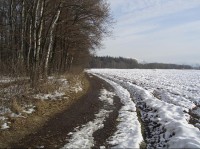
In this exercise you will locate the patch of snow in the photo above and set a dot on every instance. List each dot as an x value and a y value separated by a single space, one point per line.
5 126
2 118
56 95
60 92
4 110
107 96
83 136
15 115
53 96
29 109
42 146
6 79
63 84
78 87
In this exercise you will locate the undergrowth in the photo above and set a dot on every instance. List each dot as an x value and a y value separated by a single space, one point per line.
24 123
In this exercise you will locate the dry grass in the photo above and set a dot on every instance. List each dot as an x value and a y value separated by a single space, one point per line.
47 87
15 107
46 109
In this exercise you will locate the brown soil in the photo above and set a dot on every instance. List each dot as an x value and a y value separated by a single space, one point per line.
194 118
54 133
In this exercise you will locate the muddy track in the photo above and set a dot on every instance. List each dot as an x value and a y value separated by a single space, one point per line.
54 133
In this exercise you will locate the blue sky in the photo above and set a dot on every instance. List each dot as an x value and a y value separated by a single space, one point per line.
155 31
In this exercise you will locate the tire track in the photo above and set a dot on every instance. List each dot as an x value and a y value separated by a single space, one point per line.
128 132
164 124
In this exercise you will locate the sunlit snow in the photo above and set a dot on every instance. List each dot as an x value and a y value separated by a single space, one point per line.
164 98
128 132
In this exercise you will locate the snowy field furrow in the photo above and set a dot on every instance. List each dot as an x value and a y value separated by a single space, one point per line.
128 132
164 98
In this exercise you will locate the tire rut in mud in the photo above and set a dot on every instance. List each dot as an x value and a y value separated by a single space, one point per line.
54 133
102 135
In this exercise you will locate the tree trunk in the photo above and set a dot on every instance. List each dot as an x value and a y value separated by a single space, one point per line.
51 34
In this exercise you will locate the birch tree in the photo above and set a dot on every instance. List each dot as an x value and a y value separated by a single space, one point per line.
39 37
51 36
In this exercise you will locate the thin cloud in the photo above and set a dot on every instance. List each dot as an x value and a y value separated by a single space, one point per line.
155 30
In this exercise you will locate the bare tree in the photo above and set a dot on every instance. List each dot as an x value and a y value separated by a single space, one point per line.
39 37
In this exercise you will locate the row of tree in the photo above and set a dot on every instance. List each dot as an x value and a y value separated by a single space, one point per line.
38 37
112 62
127 63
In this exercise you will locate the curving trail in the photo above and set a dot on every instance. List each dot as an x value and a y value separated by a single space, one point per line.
87 123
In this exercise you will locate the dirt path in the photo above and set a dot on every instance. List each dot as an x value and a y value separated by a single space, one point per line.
54 133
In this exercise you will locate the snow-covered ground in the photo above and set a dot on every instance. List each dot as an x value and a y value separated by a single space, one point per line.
128 132
164 99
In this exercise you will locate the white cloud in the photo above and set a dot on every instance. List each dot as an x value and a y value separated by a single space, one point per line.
138 38
136 10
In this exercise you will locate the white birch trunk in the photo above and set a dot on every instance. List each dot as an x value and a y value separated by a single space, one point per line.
35 27
22 33
39 38
53 25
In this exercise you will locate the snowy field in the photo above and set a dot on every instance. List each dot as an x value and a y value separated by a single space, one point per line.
168 102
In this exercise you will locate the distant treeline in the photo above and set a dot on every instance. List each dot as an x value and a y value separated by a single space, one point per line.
128 63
